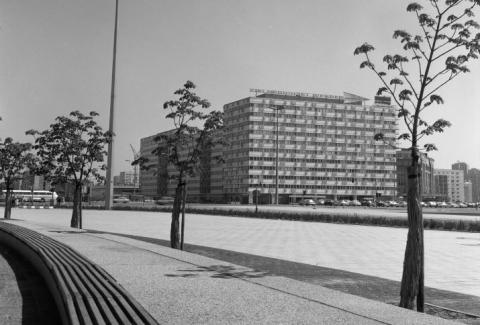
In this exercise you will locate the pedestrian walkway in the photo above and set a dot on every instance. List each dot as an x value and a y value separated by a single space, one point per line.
182 288
452 261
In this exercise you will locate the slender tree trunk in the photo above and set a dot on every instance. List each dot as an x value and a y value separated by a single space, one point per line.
8 204
175 225
77 212
413 265
184 201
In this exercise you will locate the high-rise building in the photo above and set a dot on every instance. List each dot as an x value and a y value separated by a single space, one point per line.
441 187
455 183
323 146
404 160
461 166
474 177
468 191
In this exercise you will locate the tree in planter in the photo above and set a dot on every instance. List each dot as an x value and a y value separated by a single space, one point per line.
72 152
183 146
430 60
15 159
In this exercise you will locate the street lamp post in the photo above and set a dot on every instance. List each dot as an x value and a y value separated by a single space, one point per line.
259 182
109 176
276 109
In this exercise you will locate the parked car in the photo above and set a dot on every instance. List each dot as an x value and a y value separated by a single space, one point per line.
328 202
442 205
402 204
165 200
432 204
321 202
368 203
344 203
121 199
355 203
453 205
307 202
462 205
392 203
382 204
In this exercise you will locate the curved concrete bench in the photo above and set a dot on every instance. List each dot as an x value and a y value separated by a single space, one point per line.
84 293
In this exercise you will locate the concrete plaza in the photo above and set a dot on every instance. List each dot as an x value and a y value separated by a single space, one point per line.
451 257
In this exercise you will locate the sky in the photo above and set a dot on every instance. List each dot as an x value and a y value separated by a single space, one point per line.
56 56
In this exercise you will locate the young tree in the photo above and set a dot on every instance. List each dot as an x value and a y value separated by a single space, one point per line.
182 147
72 152
438 54
15 159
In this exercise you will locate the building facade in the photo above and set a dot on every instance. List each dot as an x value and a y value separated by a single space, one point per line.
126 178
467 188
426 169
441 187
455 183
323 146
206 185
461 166
474 177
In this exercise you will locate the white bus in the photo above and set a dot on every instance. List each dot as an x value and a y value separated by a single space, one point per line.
32 196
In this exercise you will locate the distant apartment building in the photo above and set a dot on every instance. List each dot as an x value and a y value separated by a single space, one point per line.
326 147
474 177
467 186
441 187
31 182
454 183
461 166
126 178
160 180
404 160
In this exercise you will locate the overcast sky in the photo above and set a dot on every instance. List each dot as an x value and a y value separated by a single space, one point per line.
55 57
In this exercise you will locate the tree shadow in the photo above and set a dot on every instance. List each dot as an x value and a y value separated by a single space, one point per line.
221 272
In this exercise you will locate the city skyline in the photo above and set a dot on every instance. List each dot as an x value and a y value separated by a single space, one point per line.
57 59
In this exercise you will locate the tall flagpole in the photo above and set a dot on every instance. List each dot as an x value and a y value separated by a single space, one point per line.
109 180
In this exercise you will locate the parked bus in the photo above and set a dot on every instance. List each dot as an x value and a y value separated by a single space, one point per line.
32 196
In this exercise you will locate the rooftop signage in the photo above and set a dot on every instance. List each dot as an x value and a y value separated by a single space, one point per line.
291 93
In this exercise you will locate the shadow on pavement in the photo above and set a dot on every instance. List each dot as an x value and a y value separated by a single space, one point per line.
38 306
221 272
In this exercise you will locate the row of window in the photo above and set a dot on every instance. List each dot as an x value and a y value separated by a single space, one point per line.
322 178
320 170
318 161
327 187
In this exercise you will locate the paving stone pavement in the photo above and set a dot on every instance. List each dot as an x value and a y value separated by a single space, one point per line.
451 257
24 297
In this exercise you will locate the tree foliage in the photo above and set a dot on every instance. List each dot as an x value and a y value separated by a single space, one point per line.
72 152
439 53
15 159
447 39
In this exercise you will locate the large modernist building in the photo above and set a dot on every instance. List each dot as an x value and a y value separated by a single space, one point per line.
323 146
320 146
404 160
